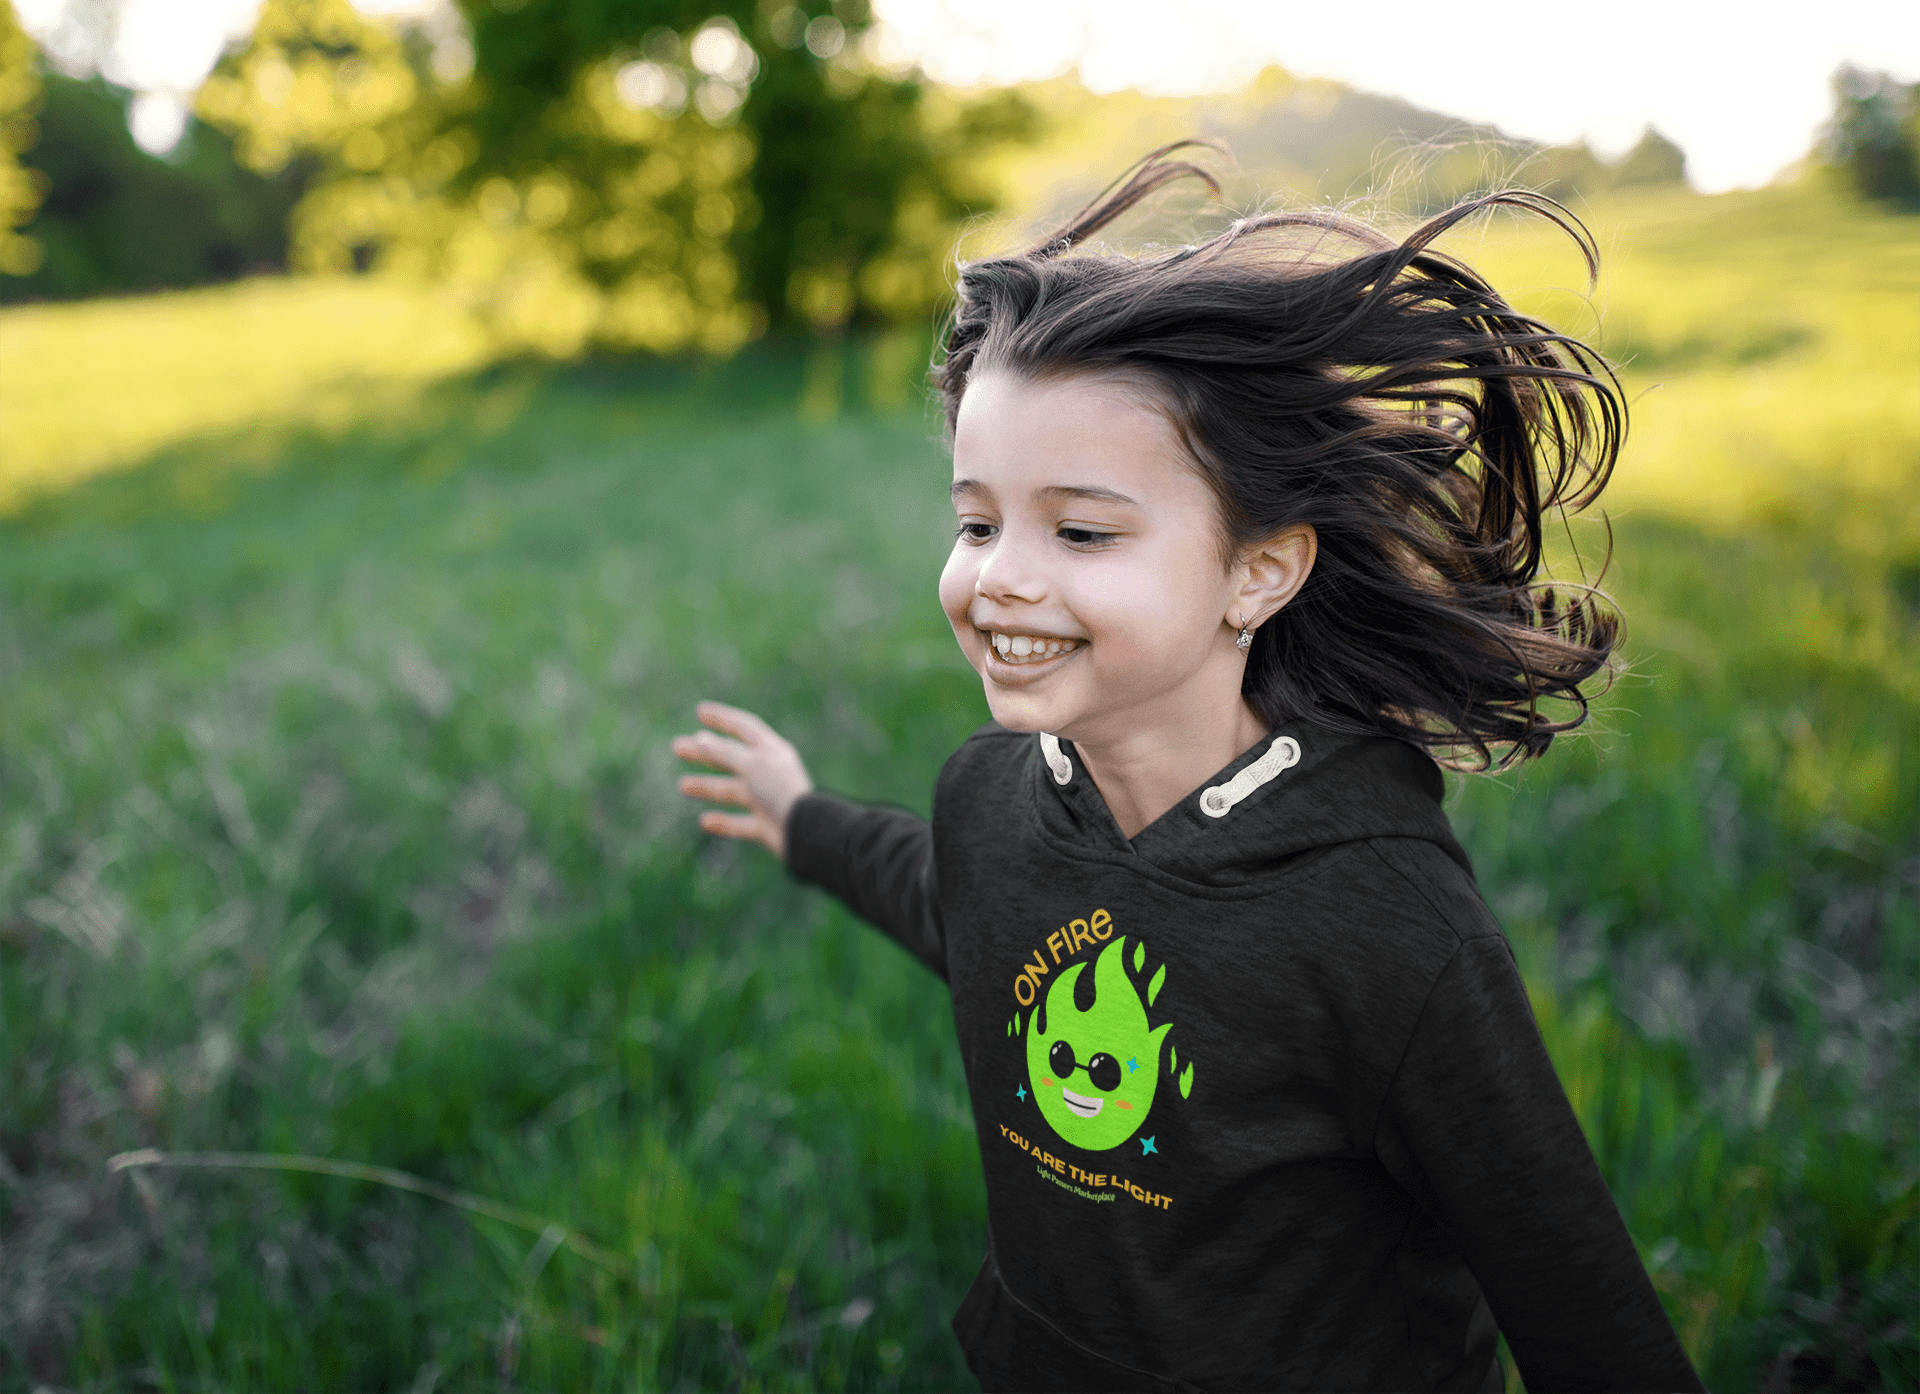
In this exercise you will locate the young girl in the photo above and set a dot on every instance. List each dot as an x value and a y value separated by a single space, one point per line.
1248 534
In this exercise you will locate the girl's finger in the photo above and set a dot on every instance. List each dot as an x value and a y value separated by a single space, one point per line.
741 825
735 721
700 786
710 749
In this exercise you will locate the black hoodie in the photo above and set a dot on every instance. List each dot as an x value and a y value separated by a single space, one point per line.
1260 1096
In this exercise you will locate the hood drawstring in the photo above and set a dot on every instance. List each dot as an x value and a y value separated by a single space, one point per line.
1057 760
1218 800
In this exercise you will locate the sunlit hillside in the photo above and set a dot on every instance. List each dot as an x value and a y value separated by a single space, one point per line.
1282 141
100 384
1768 338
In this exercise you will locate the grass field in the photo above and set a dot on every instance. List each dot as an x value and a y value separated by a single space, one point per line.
335 820
90 387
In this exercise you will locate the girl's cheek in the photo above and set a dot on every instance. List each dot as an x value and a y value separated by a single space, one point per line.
1142 621
957 584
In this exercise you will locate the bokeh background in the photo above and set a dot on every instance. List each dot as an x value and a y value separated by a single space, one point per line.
407 412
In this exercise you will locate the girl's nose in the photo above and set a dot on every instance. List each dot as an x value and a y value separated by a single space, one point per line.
1010 571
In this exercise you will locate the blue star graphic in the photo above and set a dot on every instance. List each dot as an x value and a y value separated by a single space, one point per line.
1022 1093
1133 1064
1146 1147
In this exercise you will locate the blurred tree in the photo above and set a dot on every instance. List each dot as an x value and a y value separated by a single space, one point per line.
858 187
114 218
1653 160
856 179
1874 135
1574 171
21 188
317 79
638 175
616 232
1567 171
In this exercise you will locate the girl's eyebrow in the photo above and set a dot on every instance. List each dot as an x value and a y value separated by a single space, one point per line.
1098 493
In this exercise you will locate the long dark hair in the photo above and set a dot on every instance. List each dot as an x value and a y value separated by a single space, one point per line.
1321 372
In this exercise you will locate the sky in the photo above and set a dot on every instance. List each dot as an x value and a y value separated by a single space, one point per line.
1742 88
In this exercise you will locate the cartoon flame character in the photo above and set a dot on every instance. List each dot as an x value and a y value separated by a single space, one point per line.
1094 1072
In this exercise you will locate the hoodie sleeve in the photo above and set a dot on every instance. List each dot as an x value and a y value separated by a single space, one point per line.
1477 1127
878 861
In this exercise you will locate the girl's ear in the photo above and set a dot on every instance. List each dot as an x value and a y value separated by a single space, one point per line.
1272 573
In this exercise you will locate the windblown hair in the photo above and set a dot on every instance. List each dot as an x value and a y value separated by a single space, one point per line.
1319 372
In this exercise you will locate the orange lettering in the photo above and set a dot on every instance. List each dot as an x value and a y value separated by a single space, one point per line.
1023 981
1101 925
1056 947
1080 936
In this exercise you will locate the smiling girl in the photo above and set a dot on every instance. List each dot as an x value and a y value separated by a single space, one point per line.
1249 539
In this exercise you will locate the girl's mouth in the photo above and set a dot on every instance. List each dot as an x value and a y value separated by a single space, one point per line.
1017 659
1027 648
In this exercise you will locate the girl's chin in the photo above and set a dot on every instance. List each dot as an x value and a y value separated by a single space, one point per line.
1020 709
1024 718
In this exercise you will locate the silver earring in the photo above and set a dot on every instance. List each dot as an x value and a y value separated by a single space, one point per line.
1245 641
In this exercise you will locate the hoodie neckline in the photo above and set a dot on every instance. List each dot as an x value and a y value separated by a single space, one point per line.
1332 788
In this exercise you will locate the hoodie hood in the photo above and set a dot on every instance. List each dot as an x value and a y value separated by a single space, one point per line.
1298 790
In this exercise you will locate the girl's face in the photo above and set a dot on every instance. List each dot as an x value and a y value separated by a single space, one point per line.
1086 585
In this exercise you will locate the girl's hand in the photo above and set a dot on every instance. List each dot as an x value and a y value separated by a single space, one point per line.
768 775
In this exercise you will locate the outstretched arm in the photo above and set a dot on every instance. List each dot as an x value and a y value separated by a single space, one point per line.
764 775
877 860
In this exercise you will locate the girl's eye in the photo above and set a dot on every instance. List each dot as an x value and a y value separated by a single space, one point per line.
1085 537
975 532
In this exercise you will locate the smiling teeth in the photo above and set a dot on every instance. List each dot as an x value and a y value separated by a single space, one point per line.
1019 646
1080 1103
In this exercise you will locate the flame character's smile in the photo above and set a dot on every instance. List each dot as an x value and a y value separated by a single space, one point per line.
1081 1104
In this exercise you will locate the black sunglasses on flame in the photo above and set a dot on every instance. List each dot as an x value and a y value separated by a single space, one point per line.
1102 1069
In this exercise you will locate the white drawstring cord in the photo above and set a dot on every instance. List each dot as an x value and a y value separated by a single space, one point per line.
1057 760
1217 800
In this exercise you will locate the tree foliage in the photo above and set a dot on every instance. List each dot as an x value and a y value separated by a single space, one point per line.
654 174
1653 160
1874 136
1575 172
113 218
20 188
317 79
857 178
